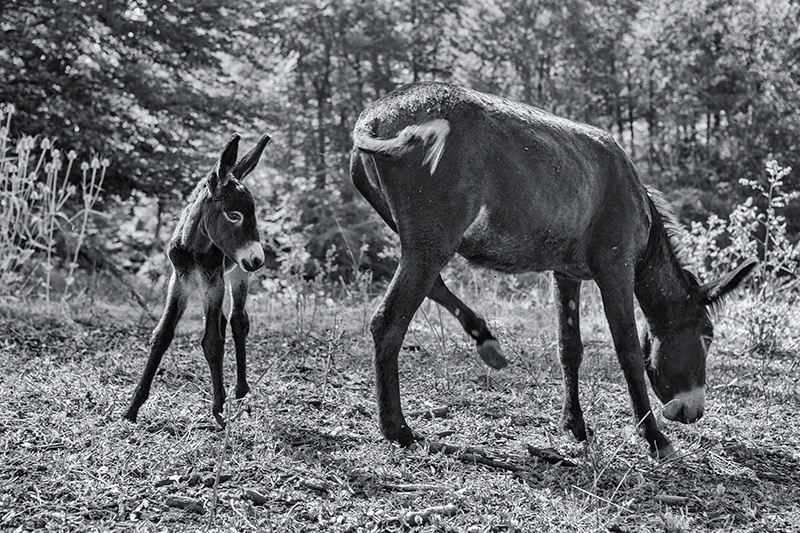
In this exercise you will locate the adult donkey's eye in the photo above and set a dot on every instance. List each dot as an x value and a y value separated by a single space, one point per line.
233 217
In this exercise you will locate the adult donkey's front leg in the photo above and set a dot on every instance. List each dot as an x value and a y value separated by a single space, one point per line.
240 326
212 286
570 351
161 338
617 294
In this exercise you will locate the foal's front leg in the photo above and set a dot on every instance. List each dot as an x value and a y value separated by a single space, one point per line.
212 286
617 297
570 350
240 326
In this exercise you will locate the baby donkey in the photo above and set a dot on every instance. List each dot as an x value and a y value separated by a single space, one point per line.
216 237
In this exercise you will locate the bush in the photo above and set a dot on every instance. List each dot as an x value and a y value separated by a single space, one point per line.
755 228
39 206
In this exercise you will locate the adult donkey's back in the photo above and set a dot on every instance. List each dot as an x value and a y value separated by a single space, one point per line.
515 189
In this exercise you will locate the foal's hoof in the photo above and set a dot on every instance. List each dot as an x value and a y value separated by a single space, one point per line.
492 355
577 427
241 391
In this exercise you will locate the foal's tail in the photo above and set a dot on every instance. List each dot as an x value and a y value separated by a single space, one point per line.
432 135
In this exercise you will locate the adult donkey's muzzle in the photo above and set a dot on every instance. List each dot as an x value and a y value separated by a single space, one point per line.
686 407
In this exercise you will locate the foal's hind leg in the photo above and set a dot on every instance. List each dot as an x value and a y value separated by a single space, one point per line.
570 350
413 280
212 286
161 338
475 326
240 326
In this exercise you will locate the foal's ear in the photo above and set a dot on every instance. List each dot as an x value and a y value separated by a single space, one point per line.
224 167
712 292
248 162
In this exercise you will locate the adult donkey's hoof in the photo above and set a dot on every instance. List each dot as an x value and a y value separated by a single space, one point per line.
491 354
663 452
400 433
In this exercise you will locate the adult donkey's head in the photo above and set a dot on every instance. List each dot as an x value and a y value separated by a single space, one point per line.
229 216
676 350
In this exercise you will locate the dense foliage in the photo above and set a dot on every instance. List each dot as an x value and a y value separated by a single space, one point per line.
700 92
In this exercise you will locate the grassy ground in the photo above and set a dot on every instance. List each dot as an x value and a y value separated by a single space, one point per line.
305 454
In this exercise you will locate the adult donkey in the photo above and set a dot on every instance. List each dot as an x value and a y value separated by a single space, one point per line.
515 189
216 234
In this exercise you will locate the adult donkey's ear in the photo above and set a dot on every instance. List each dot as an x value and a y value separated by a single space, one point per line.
224 167
713 292
248 162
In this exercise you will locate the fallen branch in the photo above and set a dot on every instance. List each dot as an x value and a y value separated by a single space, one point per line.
418 518
549 455
185 502
471 455
670 499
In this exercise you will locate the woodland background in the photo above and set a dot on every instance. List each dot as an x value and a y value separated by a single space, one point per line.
111 111
701 93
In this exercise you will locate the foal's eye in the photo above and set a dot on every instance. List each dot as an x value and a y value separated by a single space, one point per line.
234 217
707 339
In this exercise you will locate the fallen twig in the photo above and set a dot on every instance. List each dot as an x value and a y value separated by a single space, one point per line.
670 499
254 496
549 455
468 455
414 487
428 414
185 502
418 518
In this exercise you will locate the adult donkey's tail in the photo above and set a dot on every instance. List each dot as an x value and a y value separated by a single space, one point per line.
432 135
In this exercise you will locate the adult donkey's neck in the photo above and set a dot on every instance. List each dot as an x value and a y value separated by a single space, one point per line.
662 286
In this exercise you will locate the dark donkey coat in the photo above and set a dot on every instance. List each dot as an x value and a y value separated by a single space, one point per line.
516 189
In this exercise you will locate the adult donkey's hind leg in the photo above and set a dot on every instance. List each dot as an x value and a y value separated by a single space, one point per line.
570 351
412 281
487 346
164 332
240 326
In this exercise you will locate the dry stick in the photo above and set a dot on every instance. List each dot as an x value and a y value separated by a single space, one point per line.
218 473
418 518
471 456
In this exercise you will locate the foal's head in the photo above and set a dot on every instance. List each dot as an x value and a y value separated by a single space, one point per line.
230 217
676 351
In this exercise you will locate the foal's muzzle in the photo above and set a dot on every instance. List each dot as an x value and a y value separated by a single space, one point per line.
251 257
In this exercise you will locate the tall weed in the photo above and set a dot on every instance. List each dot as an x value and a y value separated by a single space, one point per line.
37 202
756 228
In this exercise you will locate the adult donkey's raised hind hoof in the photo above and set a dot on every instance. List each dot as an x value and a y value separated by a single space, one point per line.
216 239
491 354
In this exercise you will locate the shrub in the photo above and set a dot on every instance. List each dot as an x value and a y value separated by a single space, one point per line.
755 228
37 205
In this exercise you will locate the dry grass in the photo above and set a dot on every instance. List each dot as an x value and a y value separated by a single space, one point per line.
305 453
